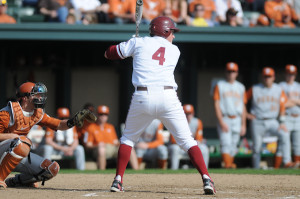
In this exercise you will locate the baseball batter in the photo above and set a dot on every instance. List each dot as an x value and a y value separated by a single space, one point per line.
267 105
16 119
292 90
151 145
196 126
230 99
155 97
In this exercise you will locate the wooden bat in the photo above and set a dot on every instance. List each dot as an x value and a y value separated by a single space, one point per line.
138 15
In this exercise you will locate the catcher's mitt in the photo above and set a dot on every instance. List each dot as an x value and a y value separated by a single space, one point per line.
80 116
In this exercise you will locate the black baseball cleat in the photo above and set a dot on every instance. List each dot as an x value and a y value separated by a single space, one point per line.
209 187
12 182
116 186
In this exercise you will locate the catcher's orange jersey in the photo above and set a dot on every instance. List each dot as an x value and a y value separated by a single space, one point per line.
20 123
105 133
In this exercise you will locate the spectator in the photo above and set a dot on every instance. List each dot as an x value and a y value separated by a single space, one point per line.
209 8
152 9
4 18
90 18
280 13
230 110
71 19
223 5
89 7
231 18
122 11
262 20
102 138
64 143
267 104
55 10
295 4
196 126
198 19
178 10
292 90
151 146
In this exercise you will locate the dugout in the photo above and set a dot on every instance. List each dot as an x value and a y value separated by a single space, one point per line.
69 60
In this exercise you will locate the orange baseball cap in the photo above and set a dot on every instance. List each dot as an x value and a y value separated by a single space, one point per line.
232 66
291 69
268 71
63 112
188 108
102 109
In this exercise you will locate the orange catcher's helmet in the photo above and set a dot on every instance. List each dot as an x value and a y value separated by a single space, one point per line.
188 109
25 89
162 26
63 112
102 109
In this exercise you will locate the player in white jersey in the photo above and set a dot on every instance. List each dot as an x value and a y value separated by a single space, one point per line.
292 90
267 105
151 145
155 97
230 99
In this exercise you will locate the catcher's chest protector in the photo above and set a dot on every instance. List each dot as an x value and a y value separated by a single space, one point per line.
23 124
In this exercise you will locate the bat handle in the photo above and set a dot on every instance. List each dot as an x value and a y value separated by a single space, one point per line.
137 30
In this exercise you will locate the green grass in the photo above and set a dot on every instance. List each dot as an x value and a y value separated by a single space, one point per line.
220 171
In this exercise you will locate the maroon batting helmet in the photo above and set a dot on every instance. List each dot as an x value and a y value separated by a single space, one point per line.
162 26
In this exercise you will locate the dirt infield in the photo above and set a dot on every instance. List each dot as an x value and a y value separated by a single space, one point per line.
165 186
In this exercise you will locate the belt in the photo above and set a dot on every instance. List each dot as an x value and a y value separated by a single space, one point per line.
231 116
295 115
140 88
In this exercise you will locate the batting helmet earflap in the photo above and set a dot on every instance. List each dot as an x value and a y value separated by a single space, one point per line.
63 112
162 26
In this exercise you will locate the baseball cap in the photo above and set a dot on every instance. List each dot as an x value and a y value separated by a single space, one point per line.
268 71
3 2
188 108
102 109
232 66
63 112
291 69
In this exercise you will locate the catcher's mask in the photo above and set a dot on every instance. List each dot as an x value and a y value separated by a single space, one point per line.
38 91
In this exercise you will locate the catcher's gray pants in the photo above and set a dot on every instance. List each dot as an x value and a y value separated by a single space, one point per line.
261 128
78 155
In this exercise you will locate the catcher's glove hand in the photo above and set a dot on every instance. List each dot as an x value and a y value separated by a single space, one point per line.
80 116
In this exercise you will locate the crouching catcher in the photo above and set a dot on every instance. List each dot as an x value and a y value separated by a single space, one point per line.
16 119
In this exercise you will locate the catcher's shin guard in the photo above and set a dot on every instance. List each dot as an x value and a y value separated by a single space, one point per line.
50 170
19 149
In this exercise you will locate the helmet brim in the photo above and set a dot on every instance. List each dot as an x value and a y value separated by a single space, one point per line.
175 29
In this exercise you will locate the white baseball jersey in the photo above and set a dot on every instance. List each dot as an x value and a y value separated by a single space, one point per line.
154 60
292 91
232 97
194 126
266 101
222 7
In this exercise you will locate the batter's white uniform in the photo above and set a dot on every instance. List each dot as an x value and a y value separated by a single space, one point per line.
292 91
232 100
154 62
265 107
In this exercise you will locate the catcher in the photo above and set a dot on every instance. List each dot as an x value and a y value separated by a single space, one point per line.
16 119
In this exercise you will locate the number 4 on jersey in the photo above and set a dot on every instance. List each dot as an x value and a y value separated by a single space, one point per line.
160 55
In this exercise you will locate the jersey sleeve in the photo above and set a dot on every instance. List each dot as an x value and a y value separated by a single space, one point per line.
216 93
159 138
245 98
249 94
50 122
49 133
4 120
283 100
199 132
126 49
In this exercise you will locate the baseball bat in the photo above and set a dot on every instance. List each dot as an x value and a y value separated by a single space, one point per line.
138 15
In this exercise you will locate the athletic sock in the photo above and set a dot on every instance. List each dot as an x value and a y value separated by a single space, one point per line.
198 161
123 159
